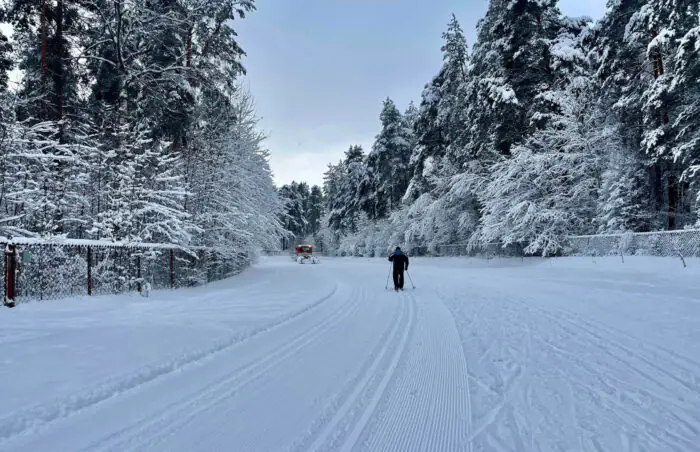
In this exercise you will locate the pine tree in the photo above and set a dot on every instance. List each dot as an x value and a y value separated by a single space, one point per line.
388 163
342 186
633 47
51 110
294 217
686 86
510 64
315 209
622 206
438 123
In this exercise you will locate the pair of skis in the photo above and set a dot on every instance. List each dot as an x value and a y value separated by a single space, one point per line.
386 287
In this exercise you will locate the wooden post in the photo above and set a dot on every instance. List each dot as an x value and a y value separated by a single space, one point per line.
138 272
10 266
172 268
89 270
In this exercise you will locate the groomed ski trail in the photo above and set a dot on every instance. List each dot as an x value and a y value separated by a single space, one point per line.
484 356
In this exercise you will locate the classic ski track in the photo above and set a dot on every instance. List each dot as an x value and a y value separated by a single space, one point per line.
35 419
362 423
442 438
331 409
351 401
402 401
142 434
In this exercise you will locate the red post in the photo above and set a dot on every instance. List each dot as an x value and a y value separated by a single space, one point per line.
10 268
172 268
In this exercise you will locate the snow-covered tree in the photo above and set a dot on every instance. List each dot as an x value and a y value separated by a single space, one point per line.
315 209
231 197
295 216
549 188
388 163
129 124
438 121
342 186
510 64
622 206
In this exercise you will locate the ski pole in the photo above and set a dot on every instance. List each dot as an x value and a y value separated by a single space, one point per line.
410 279
386 287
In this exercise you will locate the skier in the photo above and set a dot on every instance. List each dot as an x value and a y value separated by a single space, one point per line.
400 261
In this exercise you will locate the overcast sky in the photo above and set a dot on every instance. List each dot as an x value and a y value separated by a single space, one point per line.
320 69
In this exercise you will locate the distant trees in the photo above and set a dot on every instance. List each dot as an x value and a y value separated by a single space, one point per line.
303 208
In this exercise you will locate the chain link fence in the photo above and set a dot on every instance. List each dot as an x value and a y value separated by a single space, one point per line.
681 243
488 251
45 271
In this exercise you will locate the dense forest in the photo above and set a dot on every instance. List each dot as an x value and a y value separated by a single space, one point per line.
547 126
124 121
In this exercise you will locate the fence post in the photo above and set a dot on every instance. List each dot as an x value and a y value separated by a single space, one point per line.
10 265
682 259
172 268
138 272
89 270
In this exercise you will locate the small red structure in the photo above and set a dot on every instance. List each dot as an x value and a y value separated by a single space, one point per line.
303 250
304 253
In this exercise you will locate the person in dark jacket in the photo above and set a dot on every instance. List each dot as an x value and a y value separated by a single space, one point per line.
400 261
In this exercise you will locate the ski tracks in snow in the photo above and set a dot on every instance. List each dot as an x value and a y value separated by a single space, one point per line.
36 420
474 363
413 395
149 432
350 413
32 419
428 407
543 376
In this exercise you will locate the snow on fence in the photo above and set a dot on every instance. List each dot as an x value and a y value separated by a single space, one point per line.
36 269
488 251
681 243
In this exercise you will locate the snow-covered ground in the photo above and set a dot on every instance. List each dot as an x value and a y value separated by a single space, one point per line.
502 355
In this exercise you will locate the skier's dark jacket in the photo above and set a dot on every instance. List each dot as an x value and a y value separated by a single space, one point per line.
400 262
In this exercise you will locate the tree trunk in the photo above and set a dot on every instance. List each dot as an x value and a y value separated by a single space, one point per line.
43 38
189 48
60 72
672 187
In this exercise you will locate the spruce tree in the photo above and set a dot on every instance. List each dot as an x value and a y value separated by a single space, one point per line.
388 162
438 124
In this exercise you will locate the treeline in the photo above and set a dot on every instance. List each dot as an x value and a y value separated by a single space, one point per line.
128 124
303 210
547 126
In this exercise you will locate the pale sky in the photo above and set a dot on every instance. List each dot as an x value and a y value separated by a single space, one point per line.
320 69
